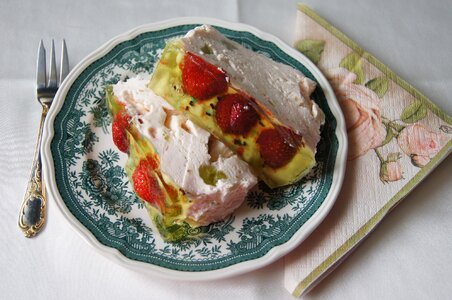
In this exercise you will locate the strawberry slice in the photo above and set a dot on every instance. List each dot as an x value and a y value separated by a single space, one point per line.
235 114
146 184
119 130
278 146
200 79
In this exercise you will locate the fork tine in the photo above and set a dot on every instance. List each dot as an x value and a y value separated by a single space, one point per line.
64 65
41 67
52 74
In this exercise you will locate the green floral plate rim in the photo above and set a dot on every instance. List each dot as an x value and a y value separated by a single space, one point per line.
85 176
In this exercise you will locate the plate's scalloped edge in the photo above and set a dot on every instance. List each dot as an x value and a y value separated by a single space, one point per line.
236 269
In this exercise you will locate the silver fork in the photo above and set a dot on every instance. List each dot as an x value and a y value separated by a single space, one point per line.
32 214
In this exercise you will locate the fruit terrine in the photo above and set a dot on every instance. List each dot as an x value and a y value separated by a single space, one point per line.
185 176
259 108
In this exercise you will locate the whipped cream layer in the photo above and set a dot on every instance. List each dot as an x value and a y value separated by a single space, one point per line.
184 148
283 90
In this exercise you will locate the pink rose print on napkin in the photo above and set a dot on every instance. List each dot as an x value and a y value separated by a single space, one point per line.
361 111
360 99
391 171
420 143
390 168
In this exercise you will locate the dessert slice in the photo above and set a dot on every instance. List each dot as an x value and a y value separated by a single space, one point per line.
185 176
259 108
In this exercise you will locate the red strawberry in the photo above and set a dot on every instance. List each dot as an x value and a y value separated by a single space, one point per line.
119 130
278 146
146 184
153 161
236 114
201 79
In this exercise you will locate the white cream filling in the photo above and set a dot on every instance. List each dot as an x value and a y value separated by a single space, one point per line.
183 148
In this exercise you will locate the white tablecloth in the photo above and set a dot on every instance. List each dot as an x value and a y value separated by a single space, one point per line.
407 257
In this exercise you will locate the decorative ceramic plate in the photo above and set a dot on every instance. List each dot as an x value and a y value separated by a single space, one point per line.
85 172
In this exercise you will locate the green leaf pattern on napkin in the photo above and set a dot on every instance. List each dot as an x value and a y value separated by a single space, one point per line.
311 48
379 85
352 62
414 112
389 135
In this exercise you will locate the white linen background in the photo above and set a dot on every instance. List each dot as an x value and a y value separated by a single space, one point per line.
408 256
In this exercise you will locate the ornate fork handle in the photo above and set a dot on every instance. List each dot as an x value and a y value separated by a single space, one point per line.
32 214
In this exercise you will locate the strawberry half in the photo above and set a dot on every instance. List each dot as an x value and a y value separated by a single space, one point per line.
146 184
200 79
235 114
278 146
119 130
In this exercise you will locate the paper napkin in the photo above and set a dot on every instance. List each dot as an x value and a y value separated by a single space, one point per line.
396 138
